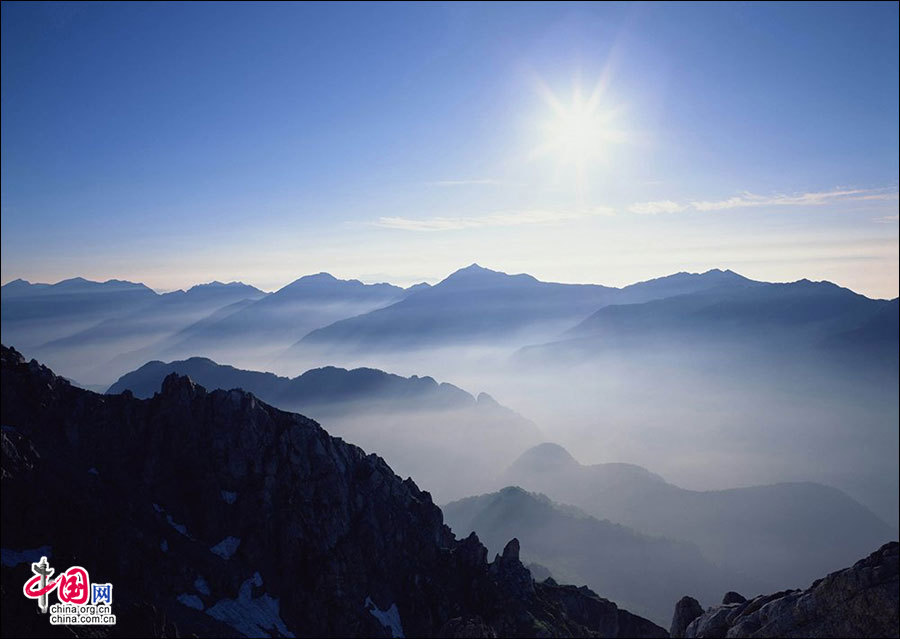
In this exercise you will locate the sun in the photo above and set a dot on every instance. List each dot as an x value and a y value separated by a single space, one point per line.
575 133
579 134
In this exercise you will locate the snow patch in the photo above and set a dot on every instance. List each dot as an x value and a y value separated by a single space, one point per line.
201 586
191 601
228 497
93 471
252 617
174 524
227 547
389 618
164 545
12 558
179 527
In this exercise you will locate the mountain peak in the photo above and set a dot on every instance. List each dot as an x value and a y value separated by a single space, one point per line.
216 285
477 275
181 387
544 457
315 278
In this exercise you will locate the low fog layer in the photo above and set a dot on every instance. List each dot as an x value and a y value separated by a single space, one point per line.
785 533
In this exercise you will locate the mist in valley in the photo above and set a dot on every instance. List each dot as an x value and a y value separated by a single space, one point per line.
701 432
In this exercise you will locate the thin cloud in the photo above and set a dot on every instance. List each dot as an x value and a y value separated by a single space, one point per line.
816 198
654 208
482 181
499 219
753 200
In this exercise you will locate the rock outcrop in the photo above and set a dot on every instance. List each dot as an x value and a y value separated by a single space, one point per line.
860 601
686 610
214 514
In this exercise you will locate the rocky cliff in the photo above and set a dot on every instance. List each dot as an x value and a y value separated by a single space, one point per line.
213 513
860 601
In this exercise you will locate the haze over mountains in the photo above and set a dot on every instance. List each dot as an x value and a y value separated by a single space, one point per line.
478 305
422 428
760 535
820 318
643 573
711 379
229 517
771 409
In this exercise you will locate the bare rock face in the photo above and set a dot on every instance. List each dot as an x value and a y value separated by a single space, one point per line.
214 514
686 610
860 601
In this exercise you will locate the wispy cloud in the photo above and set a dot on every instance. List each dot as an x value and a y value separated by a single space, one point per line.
888 219
815 198
501 218
474 182
754 200
653 208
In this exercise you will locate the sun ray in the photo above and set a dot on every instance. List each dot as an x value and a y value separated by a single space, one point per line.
578 133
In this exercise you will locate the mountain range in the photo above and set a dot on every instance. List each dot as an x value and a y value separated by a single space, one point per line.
475 305
798 319
424 429
765 536
96 331
644 573
712 378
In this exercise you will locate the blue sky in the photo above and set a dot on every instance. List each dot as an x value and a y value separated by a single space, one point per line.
177 143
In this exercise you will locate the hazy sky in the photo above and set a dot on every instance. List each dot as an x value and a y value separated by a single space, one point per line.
179 143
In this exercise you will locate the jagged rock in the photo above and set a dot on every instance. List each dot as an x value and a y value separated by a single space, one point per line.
732 597
459 627
214 514
539 572
511 551
860 601
686 610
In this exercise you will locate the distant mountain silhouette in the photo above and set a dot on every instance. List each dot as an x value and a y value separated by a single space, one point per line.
95 331
87 353
33 314
426 429
72 286
644 573
801 315
785 533
321 386
476 304
280 319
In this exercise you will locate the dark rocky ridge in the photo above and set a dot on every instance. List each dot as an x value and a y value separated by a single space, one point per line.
860 601
324 539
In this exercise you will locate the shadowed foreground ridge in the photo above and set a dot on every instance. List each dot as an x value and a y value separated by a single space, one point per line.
213 513
860 601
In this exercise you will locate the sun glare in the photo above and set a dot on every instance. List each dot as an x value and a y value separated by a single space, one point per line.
578 134
575 133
